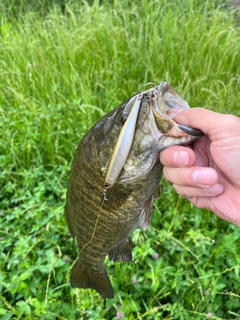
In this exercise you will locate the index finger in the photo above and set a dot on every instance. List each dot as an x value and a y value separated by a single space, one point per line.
178 156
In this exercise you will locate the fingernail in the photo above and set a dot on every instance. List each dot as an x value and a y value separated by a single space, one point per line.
172 112
204 177
181 158
216 189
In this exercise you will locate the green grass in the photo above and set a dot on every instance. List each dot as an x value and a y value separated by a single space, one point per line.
61 69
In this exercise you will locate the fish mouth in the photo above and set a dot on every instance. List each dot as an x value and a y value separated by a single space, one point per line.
164 98
154 104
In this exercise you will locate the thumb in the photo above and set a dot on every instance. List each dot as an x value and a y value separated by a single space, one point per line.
216 125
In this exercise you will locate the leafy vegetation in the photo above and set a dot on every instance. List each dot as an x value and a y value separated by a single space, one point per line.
63 65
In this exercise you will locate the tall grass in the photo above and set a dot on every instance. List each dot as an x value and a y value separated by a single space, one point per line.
64 66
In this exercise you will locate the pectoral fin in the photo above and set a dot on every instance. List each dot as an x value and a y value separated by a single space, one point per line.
121 253
146 214
158 193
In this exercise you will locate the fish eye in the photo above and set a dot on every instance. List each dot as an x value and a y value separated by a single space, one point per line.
123 119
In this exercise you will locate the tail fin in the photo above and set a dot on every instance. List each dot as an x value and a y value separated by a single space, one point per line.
82 278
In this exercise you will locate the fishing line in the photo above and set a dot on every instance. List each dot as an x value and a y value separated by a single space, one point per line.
104 198
118 157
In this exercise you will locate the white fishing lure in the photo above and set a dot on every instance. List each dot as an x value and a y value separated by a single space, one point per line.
123 145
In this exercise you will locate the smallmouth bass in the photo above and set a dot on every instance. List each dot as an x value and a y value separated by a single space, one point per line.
115 177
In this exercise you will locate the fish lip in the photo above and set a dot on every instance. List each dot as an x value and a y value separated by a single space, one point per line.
170 99
163 98
191 131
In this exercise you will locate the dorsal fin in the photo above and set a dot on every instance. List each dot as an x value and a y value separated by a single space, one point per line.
66 214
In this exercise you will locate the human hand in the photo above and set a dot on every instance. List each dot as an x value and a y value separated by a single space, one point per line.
208 174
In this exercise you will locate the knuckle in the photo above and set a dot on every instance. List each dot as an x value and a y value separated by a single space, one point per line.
232 121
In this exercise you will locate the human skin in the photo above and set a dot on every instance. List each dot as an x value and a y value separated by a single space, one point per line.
208 172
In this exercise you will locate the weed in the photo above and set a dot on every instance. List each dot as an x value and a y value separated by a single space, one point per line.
63 65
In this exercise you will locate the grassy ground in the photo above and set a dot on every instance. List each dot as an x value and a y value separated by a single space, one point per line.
64 66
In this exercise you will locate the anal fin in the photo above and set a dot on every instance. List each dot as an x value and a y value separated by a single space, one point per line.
82 278
122 252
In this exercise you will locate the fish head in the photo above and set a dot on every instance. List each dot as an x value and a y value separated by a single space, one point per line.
131 148
155 130
156 121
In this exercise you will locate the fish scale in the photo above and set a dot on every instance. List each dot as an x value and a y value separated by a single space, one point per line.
102 221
